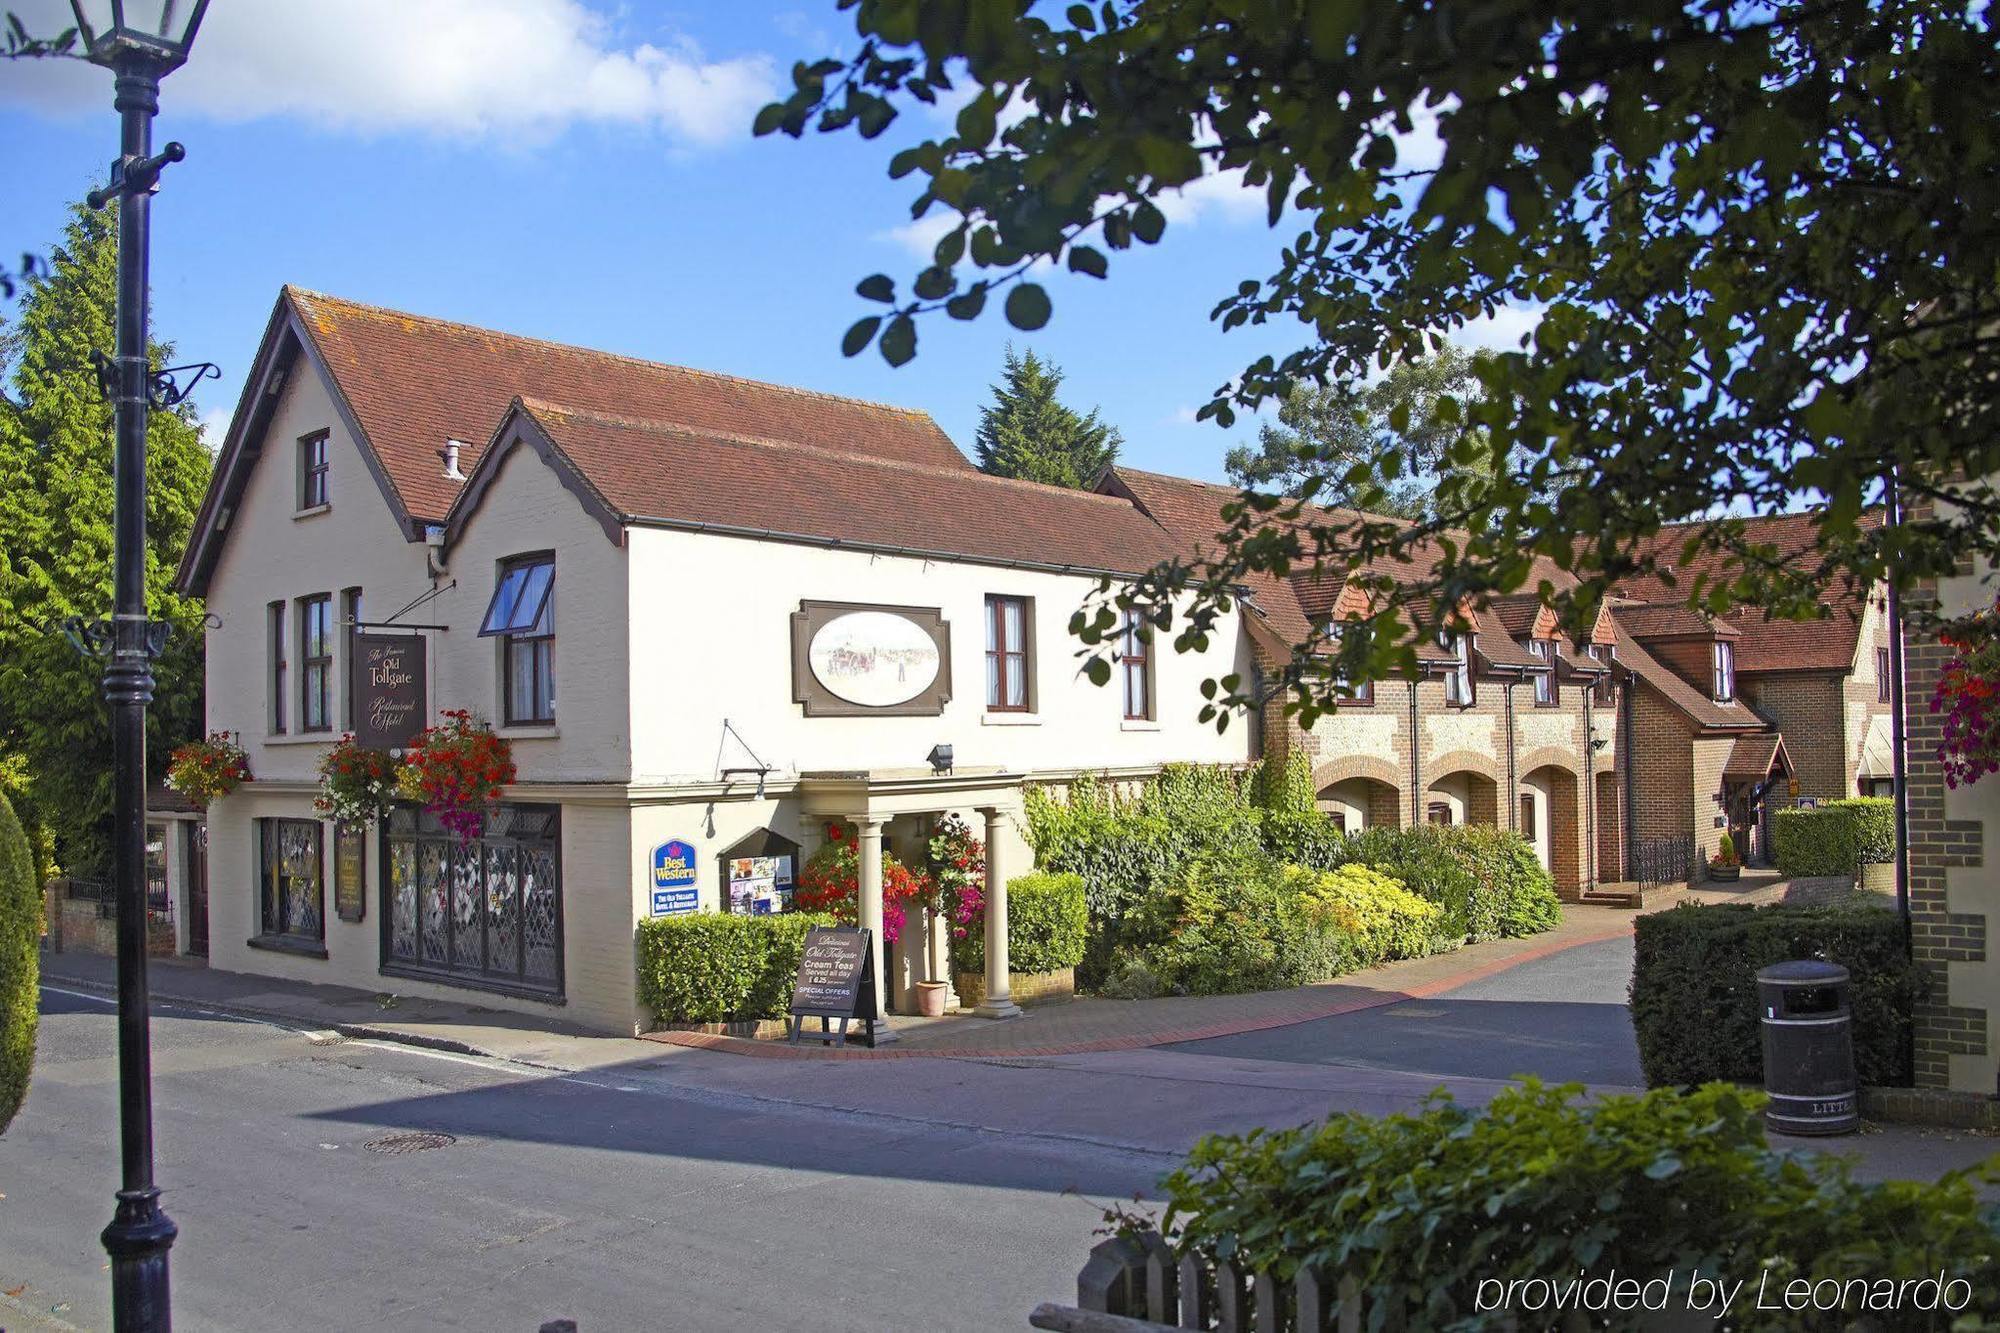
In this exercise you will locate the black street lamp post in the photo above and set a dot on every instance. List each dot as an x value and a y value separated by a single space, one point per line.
140 55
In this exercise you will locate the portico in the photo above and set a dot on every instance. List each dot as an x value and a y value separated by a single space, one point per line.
870 799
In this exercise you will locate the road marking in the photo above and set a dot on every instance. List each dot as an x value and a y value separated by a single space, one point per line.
490 1062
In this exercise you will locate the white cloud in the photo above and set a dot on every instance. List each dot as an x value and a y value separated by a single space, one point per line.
457 67
1220 195
1502 331
920 236
214 427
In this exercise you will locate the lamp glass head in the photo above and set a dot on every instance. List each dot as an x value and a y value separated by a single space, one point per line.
160 30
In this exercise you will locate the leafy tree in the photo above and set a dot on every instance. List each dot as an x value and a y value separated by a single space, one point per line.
1764 242
1330 435
55 546
20 962
1025 432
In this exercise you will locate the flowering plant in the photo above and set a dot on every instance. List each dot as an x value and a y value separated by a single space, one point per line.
958 867
206 769
457 769
356 783
831 882
1725 852
1968 691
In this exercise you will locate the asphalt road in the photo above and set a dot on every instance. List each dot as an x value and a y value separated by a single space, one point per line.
1562 1018
618 1201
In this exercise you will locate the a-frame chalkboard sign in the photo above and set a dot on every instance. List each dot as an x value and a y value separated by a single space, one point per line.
836 980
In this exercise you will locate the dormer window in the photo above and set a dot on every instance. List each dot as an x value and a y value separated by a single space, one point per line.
1458 684
1603 654
1345 688
1723 660
1545 681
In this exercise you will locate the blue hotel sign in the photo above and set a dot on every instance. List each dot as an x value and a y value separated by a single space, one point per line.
673 879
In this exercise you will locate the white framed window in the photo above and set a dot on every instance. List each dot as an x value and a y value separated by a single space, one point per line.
1460 690
1545 681
1722 657
1135 669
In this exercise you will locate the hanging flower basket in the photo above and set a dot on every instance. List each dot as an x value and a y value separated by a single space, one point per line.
831 882
1968 699
356 784
457 769
208 769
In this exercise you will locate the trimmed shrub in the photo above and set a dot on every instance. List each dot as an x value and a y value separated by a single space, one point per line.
1835 837
1122 847
1306 838
712 967
1245 923
20 962
1487 880
1381 918
1694 986
1428 1211
1048 924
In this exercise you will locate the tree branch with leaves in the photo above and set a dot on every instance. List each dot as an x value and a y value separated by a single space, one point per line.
1763 241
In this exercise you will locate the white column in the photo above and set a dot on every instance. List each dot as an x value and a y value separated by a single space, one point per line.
870 915
999 1001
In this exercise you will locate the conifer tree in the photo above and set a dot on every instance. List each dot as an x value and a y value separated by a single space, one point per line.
1026 433
56 544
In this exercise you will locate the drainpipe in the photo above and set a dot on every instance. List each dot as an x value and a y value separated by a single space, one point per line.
1416 764
1898 738
1513 764
1589 790
1626 693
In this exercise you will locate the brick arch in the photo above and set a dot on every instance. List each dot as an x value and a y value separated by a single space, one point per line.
1372 767
1565 834
1551 756
1460 761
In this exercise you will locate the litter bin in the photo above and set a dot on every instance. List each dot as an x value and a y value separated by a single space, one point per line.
1808 1049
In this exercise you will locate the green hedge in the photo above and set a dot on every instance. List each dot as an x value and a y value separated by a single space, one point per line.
1048 923
20 962
1434 1213
1487 880
710 967
1835 837
1123 846
1694 986
1250 922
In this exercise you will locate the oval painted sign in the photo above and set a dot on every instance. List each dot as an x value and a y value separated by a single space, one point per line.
875 659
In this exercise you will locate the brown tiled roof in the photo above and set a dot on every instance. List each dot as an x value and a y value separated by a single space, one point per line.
1825 644
413 382
1671 622
1704 711
662 473
1752 757
1518 613
1192 511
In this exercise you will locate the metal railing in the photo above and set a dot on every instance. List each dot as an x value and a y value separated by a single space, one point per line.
1661 861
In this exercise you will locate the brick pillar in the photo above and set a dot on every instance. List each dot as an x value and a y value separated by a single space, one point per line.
1939 937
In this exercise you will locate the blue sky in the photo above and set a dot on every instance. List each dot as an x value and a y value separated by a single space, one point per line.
583 171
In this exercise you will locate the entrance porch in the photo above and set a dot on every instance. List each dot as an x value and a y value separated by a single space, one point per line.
870 800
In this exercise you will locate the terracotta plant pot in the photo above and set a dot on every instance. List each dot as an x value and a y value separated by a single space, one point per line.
931 998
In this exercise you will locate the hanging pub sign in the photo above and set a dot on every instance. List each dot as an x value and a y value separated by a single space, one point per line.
350 871
387 690
836 980
673 887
